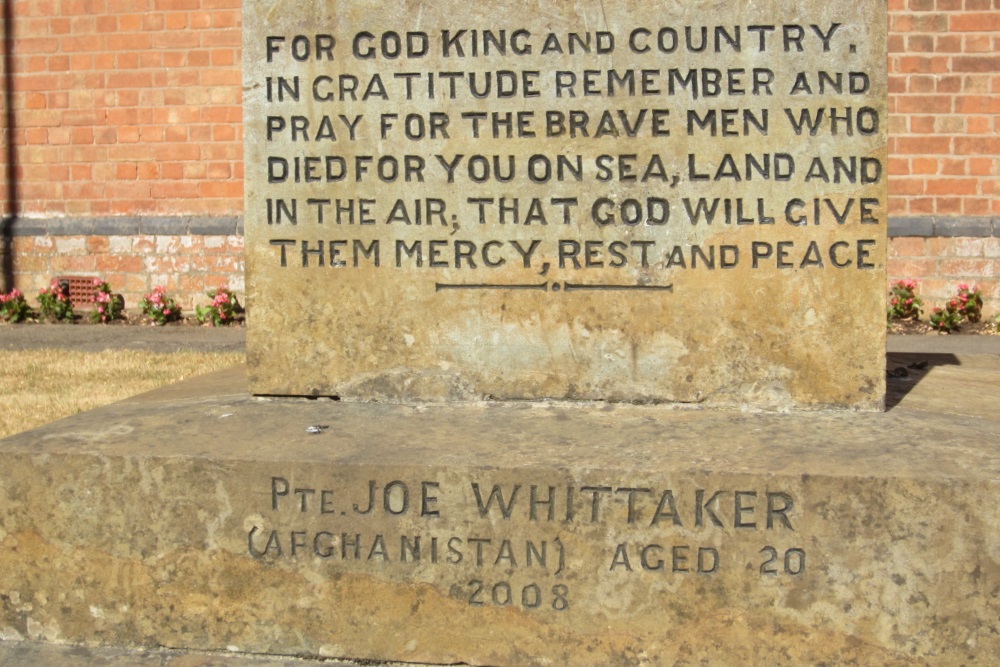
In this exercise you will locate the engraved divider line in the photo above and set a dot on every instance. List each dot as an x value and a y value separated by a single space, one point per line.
445 286
568 287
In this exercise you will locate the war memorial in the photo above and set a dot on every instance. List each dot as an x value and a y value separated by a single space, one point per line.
566 346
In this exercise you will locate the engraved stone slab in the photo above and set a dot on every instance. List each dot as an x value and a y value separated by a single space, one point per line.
514 534
672 201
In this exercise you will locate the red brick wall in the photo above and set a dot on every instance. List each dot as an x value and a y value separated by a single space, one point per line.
944 104
132 108
187 266
128 107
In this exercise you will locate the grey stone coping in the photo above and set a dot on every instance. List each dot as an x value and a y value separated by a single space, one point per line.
903 226
944 226
125 226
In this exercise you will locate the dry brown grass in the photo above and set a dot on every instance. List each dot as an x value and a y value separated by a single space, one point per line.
39 386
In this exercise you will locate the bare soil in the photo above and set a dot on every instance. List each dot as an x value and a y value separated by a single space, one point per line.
919 327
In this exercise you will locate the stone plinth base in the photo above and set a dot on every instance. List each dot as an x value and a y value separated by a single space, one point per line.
514 534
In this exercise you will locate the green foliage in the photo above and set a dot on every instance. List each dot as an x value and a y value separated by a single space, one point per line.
222 311
107 306
54 303
967 306
970 302
947 319
159 307
904 304
14 307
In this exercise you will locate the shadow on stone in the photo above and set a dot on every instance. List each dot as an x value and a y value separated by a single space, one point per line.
904 370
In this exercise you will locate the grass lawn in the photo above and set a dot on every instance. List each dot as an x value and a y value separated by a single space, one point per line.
40 386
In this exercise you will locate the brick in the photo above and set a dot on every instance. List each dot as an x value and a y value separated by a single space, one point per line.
950 124
919 43
979 125
922 124
961 268
984 166
97 244
976 84
896 167
906 23
974 21
953 166
934 64
119 263
152 22
171 170
984 64
175 21
73 263
220 189
130 22
931 145
199 133
977 105
194 170
978 43
948 205
967 247
908 247
918 83
977 146
908 269
976 206
924 104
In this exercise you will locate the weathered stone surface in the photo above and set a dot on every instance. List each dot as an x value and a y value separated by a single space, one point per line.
176 519
775 303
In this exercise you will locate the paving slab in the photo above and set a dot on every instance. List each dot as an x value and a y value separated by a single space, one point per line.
233 339
95 338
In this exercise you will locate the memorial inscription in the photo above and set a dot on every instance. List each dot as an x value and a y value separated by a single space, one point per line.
538 547
599 204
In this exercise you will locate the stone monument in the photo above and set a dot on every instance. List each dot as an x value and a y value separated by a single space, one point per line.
683 202
615 207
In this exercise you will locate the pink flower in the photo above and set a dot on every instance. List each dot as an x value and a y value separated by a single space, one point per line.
909 301
166 312
222 316
100 309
